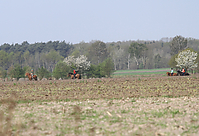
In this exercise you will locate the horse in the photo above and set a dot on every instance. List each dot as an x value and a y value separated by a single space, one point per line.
181 73
78 76
169 74
30 77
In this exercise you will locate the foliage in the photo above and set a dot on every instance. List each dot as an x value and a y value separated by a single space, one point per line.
136 50
50 59
118 56
107 67
75 53
3 73
94 71
16 72
43 72
80 63
178 43
50 53
4 59
61 70
27 69
62 47
187 59
97 53
172 63
157 60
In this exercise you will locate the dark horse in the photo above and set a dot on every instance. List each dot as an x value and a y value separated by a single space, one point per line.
181 73
78 76
169 74
30 77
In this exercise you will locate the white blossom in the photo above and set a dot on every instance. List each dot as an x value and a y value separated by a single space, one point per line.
80 62
187 59
69 60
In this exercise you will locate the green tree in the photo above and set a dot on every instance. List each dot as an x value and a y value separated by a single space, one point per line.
107 67
172 63
61 70
17 58
97 52
157 60
52 58
94 71
137 50
16 72
178 44
43 72
75 53
27 69
26 56
4 59
3 73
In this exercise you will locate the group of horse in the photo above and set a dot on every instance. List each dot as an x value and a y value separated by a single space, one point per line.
78 76
179 73
34 77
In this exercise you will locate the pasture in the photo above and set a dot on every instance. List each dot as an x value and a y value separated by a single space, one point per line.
133 105
143 72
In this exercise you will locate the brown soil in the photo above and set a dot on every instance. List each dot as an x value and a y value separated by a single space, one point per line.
109 106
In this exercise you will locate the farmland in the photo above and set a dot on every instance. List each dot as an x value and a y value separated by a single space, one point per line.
143 72
133 105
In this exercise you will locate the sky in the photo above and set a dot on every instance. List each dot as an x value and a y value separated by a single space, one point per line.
75 21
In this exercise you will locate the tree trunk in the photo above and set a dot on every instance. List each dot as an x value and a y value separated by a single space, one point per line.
128 60
137 63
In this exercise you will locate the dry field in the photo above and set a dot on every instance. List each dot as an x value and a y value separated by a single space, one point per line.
156 106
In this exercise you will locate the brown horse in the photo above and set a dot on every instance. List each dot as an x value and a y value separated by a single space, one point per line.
30 77
169 74
78 76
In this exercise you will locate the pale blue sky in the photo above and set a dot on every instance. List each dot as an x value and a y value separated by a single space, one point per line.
106 20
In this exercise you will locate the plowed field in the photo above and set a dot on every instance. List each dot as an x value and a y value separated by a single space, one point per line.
109 106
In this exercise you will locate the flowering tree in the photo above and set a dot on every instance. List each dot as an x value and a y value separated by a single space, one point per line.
80 63
186 59
70 60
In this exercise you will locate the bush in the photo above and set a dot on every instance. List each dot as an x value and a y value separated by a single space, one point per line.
43 72
94 71
16 72
3 73
61 70
107 67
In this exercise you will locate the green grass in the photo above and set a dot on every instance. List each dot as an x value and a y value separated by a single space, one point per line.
140 70
140 73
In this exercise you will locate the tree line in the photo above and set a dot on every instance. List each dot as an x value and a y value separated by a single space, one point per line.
47 59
